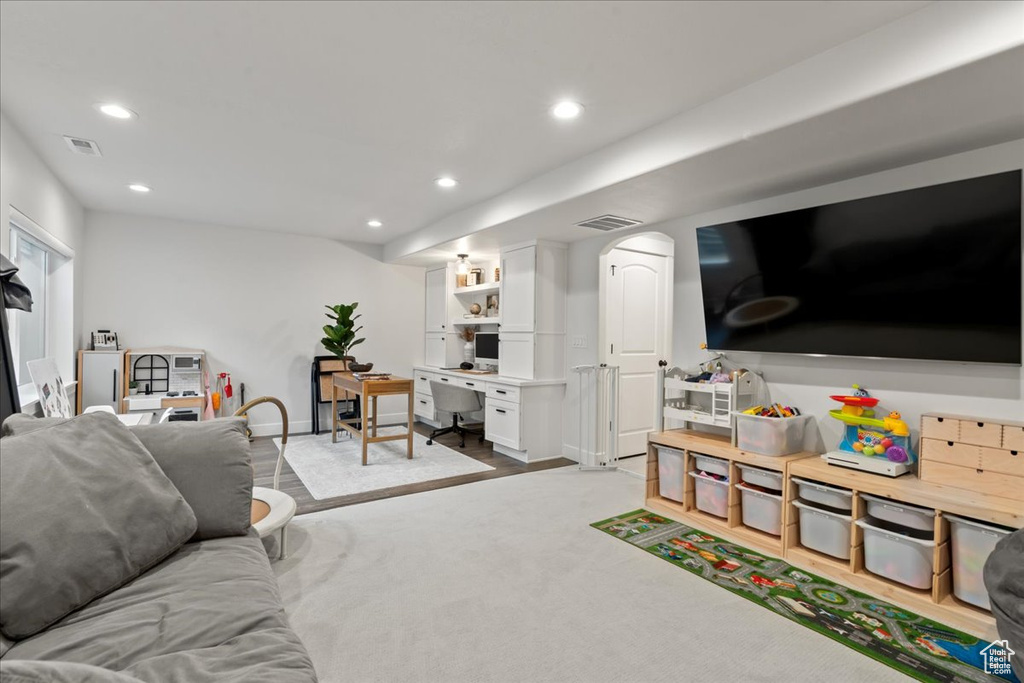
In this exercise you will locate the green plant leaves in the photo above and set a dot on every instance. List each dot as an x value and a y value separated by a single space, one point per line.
341 336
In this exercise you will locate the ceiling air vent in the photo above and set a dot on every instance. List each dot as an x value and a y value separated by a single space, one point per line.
83 146
608 222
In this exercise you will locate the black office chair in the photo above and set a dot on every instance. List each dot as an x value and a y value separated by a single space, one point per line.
459 401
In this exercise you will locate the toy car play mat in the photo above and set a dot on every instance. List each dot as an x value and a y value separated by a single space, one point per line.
919 647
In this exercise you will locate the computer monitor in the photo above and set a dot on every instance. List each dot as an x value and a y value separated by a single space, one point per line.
486 348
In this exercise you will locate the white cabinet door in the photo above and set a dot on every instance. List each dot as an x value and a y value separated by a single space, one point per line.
434 352
423 406
101 379
518 289
501 423
437 300
516 355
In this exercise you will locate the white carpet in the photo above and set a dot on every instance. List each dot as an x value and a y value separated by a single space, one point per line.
504 580
330 469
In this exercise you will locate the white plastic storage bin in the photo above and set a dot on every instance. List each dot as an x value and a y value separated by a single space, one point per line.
831 496
972 542
910 516
771 435
825 531
712 496
762 510
759 477
712 465
671 473
896 556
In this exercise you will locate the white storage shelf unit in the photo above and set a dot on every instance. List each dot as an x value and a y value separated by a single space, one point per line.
717 401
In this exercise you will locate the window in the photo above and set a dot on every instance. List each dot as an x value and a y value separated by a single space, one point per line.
45 266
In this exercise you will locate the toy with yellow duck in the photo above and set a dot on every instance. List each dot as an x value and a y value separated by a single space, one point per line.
865 434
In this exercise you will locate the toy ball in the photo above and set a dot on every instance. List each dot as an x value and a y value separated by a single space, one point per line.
868 450
896 454
858 446
886 443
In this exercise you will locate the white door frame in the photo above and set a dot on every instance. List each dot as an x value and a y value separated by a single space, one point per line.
656 244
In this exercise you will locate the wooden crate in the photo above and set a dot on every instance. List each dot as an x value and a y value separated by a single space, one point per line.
981 458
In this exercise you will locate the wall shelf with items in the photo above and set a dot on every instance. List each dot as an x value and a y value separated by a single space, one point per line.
465 322
486 288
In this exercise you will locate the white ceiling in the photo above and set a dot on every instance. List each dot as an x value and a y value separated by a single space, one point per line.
313 117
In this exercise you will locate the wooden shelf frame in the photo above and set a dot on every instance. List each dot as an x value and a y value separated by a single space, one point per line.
937 602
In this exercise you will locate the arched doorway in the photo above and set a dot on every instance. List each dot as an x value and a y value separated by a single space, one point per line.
635 327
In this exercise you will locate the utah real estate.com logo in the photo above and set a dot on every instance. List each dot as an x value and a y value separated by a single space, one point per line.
997 658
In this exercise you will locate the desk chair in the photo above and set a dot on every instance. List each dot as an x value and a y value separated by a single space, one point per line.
458 401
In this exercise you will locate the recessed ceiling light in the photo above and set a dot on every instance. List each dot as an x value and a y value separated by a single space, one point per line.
138 187
117 111
374 223
446 181
567 109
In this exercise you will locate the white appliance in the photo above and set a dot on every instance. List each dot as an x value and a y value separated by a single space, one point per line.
100 379
873 465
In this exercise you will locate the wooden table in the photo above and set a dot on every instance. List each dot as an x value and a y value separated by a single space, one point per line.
369 389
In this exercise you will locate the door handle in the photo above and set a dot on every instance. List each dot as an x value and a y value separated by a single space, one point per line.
662 363
423 402
113 395
500 391
499 410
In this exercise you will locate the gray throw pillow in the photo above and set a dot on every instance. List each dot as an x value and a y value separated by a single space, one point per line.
84 509
210 463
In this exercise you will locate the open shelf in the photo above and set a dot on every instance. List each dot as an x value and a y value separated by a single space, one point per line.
486 288
465 322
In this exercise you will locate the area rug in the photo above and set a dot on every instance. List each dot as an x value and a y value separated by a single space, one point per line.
919 647
329 470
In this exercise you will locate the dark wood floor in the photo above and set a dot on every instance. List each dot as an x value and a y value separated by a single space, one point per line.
264 455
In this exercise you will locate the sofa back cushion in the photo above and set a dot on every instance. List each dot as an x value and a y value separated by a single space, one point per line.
84 508
210 463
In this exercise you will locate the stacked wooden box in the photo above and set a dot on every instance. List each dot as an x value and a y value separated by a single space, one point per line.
977 454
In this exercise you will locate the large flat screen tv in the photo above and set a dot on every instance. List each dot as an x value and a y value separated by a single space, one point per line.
932 273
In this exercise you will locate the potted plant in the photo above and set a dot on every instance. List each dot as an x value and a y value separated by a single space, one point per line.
341 336
133 388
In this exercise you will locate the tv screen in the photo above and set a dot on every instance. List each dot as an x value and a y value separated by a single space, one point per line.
487 346
932 273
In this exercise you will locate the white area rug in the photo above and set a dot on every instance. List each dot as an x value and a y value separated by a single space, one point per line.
329 470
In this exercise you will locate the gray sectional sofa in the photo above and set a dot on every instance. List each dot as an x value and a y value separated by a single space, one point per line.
127 555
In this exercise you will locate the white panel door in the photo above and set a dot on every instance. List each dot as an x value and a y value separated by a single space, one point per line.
518 288
434 353
636 319
101 380
437 300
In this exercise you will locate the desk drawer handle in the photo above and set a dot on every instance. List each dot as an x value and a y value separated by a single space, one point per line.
470 384
444 379
423 402
500 391
500 410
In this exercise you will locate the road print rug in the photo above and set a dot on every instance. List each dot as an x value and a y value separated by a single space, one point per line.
919 647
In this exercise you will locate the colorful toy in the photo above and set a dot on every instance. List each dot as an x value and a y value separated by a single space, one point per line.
880 445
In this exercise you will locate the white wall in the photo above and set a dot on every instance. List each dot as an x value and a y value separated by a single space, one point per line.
28 185
253 300
912 387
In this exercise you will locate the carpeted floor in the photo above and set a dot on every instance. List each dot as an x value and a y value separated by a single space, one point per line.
504 580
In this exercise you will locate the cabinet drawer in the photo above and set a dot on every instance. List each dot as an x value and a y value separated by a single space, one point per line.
471 383
501 423
1002 461
981 433
423 406
1013 438
444 379
973 479
952 452
503 392
942 428
422 380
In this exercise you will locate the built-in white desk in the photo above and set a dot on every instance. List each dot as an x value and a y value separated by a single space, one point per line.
522 417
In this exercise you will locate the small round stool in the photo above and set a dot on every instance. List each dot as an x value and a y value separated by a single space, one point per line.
271 509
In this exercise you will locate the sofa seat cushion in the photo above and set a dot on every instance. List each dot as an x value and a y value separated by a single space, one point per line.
84 509
210 612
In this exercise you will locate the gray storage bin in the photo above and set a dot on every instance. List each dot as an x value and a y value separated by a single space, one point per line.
769 479
671 473
712 465
824 531
910 516
816 492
